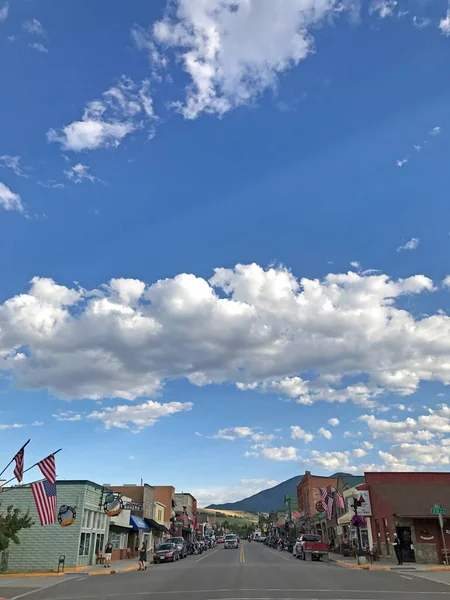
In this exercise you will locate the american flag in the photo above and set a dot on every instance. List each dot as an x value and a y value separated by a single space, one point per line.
18 470
324 498
44 494
340 500
48 468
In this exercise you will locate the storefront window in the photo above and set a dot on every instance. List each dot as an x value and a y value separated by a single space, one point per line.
85 541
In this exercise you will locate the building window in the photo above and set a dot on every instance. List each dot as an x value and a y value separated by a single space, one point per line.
85 542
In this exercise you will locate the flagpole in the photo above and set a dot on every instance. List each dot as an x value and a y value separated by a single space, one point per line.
26 444
32 466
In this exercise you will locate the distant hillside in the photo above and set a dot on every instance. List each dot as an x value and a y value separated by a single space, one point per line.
264 501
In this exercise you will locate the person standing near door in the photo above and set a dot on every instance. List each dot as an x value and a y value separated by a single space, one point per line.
108 554
398 548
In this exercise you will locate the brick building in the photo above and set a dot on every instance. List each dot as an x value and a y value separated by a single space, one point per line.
41 546
402 502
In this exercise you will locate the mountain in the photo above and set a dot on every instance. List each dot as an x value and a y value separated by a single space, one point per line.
264 501
267 500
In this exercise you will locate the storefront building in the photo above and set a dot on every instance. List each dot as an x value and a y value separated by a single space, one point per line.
403 503
79 535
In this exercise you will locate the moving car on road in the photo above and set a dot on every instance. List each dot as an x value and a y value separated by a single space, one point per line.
231 541
181 545
166 553
310 547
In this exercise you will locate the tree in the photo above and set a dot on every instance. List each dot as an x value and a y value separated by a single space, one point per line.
11 522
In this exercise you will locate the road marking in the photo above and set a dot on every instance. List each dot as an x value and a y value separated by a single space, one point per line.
278 554
206 555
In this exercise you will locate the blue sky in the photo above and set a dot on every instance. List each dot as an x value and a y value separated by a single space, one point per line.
222 225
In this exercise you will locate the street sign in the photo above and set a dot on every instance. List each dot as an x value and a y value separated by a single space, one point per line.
438 510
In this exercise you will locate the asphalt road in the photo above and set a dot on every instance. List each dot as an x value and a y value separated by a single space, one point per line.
253 572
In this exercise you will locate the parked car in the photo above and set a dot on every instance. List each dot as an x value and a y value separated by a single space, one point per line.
231 541
181 545
220 540
310 547
166 553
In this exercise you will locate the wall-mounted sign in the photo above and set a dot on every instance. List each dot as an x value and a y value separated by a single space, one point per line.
132 506
113 504
66 515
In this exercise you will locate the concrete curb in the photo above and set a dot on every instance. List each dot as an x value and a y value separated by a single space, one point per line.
347 565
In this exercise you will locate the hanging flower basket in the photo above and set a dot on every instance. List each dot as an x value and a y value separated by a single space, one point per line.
358 520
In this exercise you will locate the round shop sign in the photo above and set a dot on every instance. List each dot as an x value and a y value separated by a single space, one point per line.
113 504
66 515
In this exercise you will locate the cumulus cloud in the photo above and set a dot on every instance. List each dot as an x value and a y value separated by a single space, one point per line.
280 454
334 422
411 244
444 24
384 8
9 201
233 51
79 173
325 432
106 122
4 12
38 47
13 163
297 433
138 416
33 26
249 326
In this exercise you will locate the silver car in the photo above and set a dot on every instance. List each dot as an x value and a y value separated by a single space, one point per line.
231 541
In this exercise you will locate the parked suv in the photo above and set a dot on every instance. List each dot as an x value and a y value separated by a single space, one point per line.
181 545
231 541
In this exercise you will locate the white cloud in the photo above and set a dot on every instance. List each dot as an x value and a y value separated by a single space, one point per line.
138 416
444 24
233 51
106 122
280 454
79 173
411 244
38 47
13 163
33 26
4 12
12 426
68 415
125 339
334 422
401 162
297 433
355 264
359 452
9 200
435 131
384 8
325 432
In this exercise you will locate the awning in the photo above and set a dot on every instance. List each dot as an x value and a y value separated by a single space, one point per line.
155 525
138 523
346 518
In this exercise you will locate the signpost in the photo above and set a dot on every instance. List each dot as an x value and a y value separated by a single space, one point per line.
440 512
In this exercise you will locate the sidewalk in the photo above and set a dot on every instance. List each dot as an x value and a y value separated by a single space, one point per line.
352 563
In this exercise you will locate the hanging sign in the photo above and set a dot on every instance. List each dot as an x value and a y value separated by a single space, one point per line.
113 504
66 515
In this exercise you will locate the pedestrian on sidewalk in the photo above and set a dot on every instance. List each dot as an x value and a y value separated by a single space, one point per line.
143 557
398 549
108 554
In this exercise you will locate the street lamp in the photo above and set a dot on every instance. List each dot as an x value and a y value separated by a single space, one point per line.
356 520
